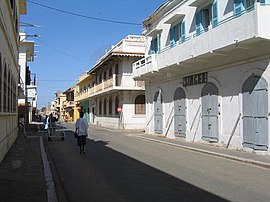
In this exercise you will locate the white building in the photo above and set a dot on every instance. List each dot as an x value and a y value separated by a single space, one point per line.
26 92
9 71
109 86
207 72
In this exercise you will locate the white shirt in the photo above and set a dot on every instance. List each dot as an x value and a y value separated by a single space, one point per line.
82 126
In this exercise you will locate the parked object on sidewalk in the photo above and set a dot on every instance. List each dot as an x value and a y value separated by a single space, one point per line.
81 128
56 129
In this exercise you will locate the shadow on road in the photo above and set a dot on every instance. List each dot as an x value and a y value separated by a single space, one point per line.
104 174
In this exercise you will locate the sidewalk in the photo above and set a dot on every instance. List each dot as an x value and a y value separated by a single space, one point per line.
21 171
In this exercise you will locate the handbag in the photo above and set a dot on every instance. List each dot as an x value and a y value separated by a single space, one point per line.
75 135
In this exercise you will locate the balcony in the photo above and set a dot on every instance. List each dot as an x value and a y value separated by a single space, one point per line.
233 39
68 104
117 82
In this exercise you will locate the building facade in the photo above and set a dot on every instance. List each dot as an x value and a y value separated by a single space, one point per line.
60 98
206 69
26 55
9 71
71 111
108 95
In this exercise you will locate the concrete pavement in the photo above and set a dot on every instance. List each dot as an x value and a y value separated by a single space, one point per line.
22 176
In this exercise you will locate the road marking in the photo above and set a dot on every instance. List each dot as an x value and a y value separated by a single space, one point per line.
51 194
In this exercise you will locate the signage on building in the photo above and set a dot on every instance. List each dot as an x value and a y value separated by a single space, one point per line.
119 109
195 79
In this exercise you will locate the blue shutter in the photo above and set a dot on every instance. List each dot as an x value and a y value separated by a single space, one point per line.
238 7
154 45
158 43
198 23
183 31
151 47
172 41
177 32
214 14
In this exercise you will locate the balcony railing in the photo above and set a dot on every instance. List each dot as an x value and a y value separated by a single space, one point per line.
116 82
205 43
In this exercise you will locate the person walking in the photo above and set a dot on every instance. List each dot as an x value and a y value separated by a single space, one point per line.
46 122
81 126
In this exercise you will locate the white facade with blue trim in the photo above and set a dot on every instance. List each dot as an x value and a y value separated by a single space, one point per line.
207 72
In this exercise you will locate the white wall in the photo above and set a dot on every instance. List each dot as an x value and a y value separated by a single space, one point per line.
229 82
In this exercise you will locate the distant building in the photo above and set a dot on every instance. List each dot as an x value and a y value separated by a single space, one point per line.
206 68
9 71
71 112
60 98
108 95
26 54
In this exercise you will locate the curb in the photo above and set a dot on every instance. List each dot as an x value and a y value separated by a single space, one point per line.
243 160
51 194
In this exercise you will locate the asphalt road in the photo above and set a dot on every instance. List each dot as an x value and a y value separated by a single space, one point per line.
119 167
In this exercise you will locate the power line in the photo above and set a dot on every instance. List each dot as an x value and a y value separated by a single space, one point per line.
84 16
56 49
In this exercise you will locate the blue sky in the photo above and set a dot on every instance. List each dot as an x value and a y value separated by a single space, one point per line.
71 45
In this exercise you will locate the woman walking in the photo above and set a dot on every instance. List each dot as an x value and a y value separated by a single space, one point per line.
81 126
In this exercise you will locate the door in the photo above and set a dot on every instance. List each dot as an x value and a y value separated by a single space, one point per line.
180 112
158 113
210 112
255 113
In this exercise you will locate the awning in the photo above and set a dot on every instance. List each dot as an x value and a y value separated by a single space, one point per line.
154 32
175 17
200 2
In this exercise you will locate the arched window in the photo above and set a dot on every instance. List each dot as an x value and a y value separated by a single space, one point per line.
100 108
100 78
105 106
110 106
140 104
14 95
9 92
105 75
116 70
116 104
110 72
1 91
5 90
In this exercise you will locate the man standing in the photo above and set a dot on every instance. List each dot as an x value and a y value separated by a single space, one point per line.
81 126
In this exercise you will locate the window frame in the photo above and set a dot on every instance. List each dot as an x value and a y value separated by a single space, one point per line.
139 105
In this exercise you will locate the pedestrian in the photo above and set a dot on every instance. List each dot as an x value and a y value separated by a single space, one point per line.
21 121
81 126
46 122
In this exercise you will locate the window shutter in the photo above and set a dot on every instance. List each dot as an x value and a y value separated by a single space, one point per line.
158 43
214 14
172 37
238 7
198 23
183 31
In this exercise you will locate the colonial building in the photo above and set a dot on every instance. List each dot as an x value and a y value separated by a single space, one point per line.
60 98
82 90
9 71
26 55
206 70
70 110
108 95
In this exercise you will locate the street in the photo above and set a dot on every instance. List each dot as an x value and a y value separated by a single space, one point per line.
124 167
